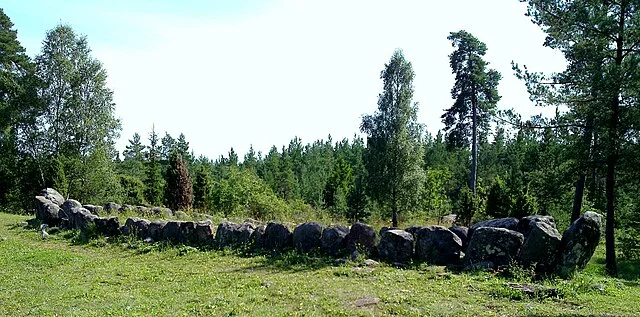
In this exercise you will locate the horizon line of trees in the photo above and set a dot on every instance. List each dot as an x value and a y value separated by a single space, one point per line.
58 129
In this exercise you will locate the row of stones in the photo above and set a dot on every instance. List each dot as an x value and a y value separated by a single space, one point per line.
531 240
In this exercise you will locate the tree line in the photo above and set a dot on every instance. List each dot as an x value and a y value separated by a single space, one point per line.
58 129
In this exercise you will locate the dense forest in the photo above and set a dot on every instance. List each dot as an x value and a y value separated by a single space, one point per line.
58 129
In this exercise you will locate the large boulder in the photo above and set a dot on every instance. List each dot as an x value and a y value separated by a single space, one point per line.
224 233
463 233
187 232
506 223
80 218
540 246
257 237
437 245
70 204
361 237
396 246
52 195
111 208
333 240
126 208
47 211
204 232
277 236
108 226
232 234
96 210
66 207
155 230
306 236
578 243
137 227
525 224
171 231
495 246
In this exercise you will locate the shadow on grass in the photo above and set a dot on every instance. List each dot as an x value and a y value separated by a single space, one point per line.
285 260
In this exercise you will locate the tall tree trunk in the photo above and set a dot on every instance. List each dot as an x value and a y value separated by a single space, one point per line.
612 155
394 211
582 178
577 198
474 143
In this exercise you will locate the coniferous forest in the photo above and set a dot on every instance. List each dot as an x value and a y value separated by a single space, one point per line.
58 129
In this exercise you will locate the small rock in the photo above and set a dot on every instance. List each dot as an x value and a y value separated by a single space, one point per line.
365 302
340 261
147 240
370 263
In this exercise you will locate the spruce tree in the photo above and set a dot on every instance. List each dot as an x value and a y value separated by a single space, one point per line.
179 190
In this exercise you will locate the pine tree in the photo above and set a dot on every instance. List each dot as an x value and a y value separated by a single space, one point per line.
475 93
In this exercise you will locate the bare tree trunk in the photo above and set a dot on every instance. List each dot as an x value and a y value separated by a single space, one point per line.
577 198
474 144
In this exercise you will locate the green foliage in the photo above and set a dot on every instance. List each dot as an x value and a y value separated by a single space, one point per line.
498 200
628 240
475 90
338 185
202 188
242 193
154 185
132 190
357 201
469 205
179 190
524 204
434 196
393 157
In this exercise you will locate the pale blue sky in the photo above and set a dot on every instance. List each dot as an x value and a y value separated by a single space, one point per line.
235 73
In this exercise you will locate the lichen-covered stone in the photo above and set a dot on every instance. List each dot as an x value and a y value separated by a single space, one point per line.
578 243
540 247
498 246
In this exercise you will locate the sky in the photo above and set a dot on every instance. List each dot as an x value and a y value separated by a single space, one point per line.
241 73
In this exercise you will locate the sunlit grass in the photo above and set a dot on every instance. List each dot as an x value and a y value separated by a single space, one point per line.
124 277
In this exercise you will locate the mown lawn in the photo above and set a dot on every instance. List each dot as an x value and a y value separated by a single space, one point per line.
56 277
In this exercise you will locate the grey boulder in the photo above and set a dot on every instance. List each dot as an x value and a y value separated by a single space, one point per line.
333 240
437 245
578 243
463 233
498 246
52 195
361 237
506 223
108 226
306 236
47 211
277 236
540 246
396 246
137 227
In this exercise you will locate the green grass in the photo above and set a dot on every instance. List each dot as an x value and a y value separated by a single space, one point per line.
55 277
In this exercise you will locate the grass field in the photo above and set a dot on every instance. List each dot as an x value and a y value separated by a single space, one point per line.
60 277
